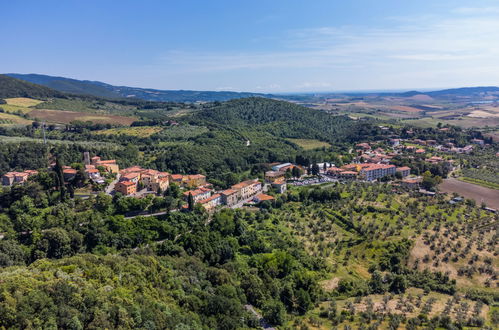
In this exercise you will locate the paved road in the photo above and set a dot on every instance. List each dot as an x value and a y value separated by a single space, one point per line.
264 324
109 189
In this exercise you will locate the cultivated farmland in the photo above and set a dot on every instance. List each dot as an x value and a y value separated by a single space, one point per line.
141 131
472 191
308 144
66 117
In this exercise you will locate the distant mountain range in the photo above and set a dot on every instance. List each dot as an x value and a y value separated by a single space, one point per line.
100 89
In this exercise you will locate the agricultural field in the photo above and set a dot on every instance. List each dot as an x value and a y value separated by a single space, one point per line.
355 234
66 117
22 102
7 119
473 191
308 144
466 252
391 310
182 132
86 144
140 131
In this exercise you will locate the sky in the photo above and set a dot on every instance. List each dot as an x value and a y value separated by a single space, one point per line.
272 46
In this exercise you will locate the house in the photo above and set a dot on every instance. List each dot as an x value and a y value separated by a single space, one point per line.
211 202
395 142
229 197
347 174
126 187
364 146
404 171
480 142
281 167
333 171
431 142
262 198
376 171
411 183
161 183
176 178
69 174
109 165
280 186
272 176
198 194
94 160
248 188
420 151
132 177
193 180
10 178
94 175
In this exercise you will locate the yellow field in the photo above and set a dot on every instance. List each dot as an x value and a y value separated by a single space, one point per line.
142 131
15 108
8 119
22 101
309 144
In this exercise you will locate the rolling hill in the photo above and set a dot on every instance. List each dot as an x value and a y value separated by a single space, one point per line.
12 87
100 89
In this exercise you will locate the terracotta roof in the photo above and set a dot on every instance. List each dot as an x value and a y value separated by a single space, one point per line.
372 167
403 168
130 176
177 177
197 192
228 192
126 183
209 199
243 184
92 170
105 162
264 197
68 171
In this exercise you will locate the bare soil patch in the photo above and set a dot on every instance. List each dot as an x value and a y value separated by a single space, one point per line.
472 191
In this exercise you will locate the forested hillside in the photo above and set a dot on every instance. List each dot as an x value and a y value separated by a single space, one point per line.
100 89
12 87
284 119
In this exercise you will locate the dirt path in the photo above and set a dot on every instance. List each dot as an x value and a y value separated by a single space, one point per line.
472 191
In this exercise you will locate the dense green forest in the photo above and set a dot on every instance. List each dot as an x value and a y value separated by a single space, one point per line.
81 264
11 87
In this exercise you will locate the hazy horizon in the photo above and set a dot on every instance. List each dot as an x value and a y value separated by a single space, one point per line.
278 47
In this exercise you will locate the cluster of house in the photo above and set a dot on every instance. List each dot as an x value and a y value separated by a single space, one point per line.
367 171
131 178
277 176
243 191
447 146
9 178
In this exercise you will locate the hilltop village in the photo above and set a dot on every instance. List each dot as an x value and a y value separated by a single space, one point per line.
370 163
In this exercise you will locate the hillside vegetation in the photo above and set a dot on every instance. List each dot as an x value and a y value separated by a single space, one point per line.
11 87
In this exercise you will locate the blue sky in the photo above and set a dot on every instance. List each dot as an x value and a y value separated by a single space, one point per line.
257 45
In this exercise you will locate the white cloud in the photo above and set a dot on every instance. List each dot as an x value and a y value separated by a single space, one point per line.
465 42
